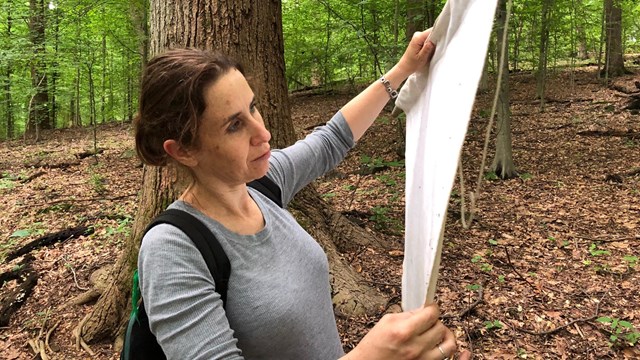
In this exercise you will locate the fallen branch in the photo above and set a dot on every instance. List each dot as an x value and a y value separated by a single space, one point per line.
13 299
63 165
38 174
86 154
627 134
636 237
620 176
90 199
506 250
470 308
553 331
50 239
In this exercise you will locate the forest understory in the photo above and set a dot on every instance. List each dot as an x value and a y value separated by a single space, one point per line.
549 269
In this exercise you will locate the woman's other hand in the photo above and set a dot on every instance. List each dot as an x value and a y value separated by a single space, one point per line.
409 335
418 53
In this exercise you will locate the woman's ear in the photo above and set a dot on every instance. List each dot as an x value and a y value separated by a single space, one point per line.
179 153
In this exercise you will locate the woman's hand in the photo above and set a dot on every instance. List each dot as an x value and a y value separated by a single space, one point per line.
418 53
408 335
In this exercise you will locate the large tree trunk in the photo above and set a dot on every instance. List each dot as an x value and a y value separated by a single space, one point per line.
503 161
614 61
251 33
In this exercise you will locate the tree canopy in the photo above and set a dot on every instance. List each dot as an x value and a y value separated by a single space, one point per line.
93 51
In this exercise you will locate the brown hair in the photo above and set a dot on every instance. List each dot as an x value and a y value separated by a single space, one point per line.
172 99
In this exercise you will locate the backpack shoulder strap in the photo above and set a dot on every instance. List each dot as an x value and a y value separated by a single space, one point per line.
268 188
211 250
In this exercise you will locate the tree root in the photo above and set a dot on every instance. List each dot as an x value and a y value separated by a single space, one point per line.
78 336
41 346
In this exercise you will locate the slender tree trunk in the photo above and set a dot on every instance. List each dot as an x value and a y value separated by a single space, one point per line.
433 10
92 95
581 34
326 68
252 33
7 84
503 161
415 17
103 84
543 54
614 61
56 71
77 118
38 114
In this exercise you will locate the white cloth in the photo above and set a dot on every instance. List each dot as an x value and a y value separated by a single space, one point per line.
438 105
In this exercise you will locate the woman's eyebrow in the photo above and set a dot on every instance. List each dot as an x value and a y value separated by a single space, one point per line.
232 117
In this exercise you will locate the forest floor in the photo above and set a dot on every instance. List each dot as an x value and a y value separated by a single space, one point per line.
549 269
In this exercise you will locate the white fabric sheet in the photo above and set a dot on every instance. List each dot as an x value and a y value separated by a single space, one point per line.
438 105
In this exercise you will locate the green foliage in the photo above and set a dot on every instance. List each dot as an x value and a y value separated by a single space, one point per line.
594 251
7 181
383 221
97 181
491 176
376 162
74 33
473 287
621 331
631 260
525 176
493 325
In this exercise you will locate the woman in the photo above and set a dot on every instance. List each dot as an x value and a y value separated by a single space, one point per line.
198 111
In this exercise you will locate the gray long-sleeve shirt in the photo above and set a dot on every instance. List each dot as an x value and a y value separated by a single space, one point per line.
278 299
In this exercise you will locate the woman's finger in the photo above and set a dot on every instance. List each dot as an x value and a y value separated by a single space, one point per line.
424 319
445 349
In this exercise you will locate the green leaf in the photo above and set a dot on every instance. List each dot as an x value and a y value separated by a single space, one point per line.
20 233
526 176
625 324
490 176
604 320
493 242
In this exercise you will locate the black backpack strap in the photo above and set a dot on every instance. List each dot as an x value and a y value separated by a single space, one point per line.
140 343
268 188
211 250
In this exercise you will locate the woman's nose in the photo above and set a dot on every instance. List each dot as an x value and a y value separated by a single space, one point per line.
261 134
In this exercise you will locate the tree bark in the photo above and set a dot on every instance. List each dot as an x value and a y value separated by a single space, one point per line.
614 61
38 114
541 75
252 33
502 164
7 85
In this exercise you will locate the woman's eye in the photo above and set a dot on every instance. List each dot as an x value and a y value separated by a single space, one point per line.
235 126
253 108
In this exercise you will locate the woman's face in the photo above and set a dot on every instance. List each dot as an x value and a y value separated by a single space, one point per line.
234 143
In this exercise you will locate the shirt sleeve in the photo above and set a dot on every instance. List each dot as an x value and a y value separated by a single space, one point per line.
185 312
294 167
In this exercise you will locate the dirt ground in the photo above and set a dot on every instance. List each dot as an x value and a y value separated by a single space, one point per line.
549 268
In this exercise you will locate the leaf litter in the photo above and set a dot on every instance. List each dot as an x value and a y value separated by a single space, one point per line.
550 251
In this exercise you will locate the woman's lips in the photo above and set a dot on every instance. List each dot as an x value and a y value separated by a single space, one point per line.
264 156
